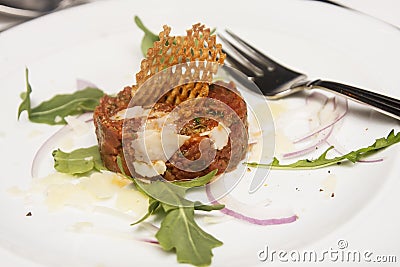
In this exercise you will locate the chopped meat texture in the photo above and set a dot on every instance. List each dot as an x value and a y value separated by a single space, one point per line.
205 135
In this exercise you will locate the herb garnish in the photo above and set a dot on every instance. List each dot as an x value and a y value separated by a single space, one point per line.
197 121
148 39
323 161
54 110
178 230
79 161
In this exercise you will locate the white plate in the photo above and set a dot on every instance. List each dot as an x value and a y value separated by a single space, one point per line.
99 42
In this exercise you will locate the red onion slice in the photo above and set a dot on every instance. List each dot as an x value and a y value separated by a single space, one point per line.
312 147
316 96
44 152
370 160
45 149
82 84
150 241
340 110
323 131
243 217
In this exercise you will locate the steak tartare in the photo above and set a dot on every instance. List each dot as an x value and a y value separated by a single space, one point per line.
195 127
109 131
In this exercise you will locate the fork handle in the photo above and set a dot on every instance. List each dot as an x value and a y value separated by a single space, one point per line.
385 104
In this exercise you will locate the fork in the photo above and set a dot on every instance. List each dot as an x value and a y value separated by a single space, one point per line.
276 81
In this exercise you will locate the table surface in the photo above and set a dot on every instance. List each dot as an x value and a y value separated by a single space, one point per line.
385 10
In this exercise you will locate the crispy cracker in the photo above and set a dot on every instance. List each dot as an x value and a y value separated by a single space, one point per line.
192 56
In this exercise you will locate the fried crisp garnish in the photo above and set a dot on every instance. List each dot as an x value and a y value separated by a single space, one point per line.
184 66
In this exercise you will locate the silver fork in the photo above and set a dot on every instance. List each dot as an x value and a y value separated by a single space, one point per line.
276 81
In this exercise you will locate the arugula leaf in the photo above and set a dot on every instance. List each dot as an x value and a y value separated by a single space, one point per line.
121 168
178 230
166 192
25 96
54 110
148 39
181 233
173 193
323 161
153 206
64 105
199 206
199 181
79 161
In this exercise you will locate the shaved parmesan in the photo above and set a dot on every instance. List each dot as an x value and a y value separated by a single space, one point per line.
219 135
150 170
130 113
78 126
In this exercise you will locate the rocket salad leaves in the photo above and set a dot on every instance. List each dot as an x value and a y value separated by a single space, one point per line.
54 110
148 39
178 230
79 161
181 233
323 161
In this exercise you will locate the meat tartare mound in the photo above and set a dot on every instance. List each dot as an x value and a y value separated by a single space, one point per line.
208 129
109 134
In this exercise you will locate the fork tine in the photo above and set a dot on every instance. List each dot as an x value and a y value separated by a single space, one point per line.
240 61
233 62
267 62
238 72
